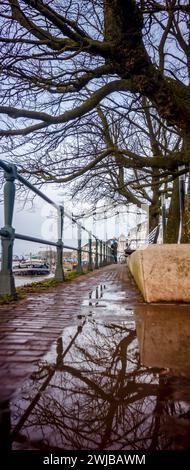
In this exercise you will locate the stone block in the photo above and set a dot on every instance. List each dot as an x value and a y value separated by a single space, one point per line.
162 272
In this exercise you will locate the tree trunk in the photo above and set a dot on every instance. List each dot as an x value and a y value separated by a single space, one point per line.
154 215
173 223
154 209
123 23
185 237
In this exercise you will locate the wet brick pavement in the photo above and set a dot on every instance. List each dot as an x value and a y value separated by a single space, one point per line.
28 328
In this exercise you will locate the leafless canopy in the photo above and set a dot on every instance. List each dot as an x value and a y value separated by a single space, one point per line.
66 66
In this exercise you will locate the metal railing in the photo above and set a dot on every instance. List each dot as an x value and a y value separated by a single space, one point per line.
153 235
102 254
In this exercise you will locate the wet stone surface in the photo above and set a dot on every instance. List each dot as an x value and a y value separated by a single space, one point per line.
118 377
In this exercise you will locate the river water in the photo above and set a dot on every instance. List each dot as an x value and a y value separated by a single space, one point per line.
24 280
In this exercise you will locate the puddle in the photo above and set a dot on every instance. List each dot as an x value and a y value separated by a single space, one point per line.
111 381
164 336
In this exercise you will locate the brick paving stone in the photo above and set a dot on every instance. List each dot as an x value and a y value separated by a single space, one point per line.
29 353
29 327
17 341
19 371
16 358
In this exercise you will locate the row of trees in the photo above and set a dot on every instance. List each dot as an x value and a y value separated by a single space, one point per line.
97 93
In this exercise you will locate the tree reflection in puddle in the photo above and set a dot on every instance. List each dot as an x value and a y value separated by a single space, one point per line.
93 392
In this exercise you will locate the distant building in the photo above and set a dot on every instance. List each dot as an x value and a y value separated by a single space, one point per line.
138 235
121 245
69 255
85 254
49 255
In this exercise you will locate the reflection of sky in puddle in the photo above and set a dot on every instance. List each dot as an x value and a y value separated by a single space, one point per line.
94 391
102 302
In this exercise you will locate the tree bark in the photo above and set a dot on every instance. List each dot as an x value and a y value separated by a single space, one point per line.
123 28
173 223
154 215
185 236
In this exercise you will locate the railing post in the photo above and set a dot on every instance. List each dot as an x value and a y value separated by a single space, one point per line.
110 257
96 255
104 253
101 252
59 273
90 252
79 253
108 254
163 206
7 285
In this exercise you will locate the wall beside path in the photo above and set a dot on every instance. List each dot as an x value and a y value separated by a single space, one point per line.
162 272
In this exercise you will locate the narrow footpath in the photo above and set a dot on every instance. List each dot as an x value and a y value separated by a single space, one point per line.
29 327
89 365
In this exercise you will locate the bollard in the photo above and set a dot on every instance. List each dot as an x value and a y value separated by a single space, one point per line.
79 252
59 273
7 284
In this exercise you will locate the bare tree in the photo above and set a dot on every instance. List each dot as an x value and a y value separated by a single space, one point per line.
52 51
129 142
60 60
